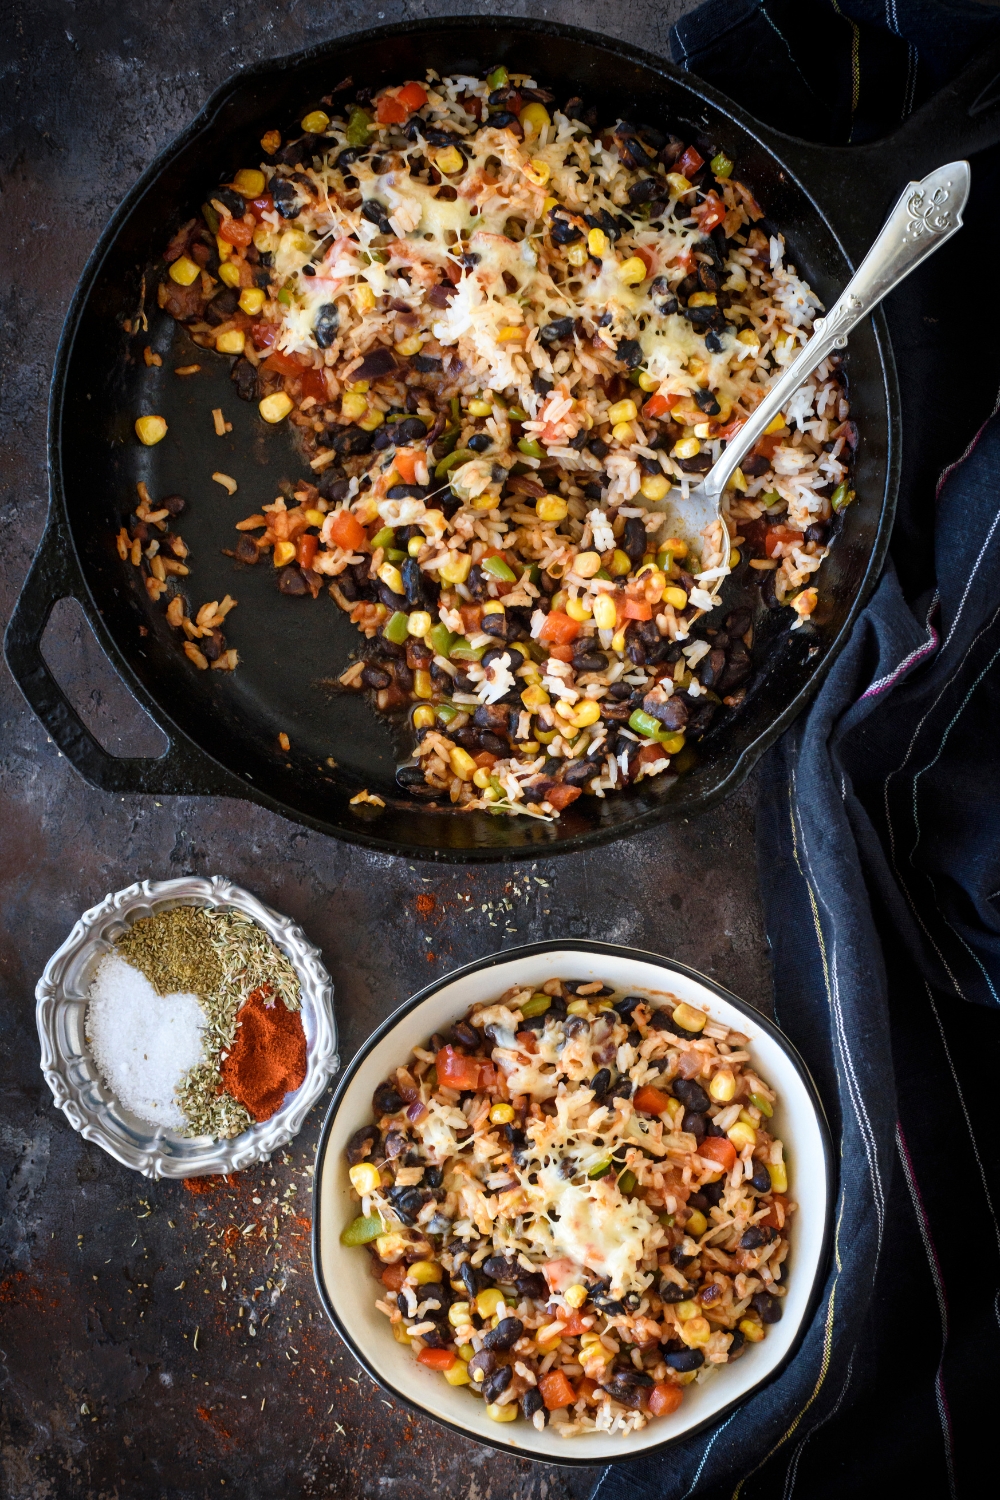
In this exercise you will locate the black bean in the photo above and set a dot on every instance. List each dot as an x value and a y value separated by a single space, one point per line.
598 447
374 677
484 1361
533 1285
714 346
738 1343
622 1089
230 199
291 581
494 1385
754 465
410 430
426 364
753 1238
565 233
627 1005
385 1100
505 1335
761 1179
713 1192
285 198
244 377
738 623
325 324
465 1035
379 362
575 1025
818 532
642 191
672 712
539 384
407 1201
671 1292
629 352
590 661
561 328
501 1268
694 1124
246 549
691 1094
768 1308
684 1359
223 305
350 441
679 1259
531 1402
707 402
479 442
633 540
471 1279
601 1081
334 486
362 1144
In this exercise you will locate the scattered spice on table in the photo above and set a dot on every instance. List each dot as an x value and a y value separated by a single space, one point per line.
166 1020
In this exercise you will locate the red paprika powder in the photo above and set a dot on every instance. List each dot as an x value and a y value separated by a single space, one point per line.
268 1059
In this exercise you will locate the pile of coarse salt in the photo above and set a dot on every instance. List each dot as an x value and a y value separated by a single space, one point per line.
143 1043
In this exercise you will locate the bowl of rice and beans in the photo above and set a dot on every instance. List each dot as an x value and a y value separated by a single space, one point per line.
574 1194
509 336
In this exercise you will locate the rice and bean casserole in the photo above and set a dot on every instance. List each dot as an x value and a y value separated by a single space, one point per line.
508 339
575 1204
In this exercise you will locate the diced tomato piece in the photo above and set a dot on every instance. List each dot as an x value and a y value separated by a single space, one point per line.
575 1326
235 232
314 385
263 334
558 627
456 1071
347 531
305 550
405 463
389 110
412 95
394 1276
586 1388
636 609
720 1149
685 261
664 1398
689 163
649 754
777 536
282 364
485 760
561 795
437 1359
471 616
487 1078
771 1217
453 272
261 206
767 445
651 1101
556 1390
731 428
561 653
710 213
646 257
526 1040
658 406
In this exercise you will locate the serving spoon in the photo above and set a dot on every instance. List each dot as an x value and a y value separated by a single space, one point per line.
927 214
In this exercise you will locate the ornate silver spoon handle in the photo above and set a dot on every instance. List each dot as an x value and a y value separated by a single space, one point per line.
927 214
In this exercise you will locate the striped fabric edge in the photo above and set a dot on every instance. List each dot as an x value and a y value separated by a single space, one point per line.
881 684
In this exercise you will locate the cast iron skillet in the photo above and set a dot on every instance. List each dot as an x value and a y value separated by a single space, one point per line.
223 728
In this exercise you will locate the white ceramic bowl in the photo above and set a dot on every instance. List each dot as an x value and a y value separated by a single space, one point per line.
342 1274
75 1080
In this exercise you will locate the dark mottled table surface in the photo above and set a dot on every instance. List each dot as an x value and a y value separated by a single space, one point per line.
157 1341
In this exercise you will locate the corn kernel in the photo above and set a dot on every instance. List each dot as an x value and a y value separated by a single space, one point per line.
458 1374
703 430
538 172
737 480
623 411
686 1311
410 346
400 1334
587 713
618 641
252 300
688 447
315 122
577 254
489 1301
423 1271
673 744
679 184
283 554
233 341
462 763
534 118
742 1135
589 1340
480 408
415 545
150 430
702 299
534 697
486 501
264 239
423 686
646 381
675 596
632 271
250 182
696 1331
449 159
482 778
390 1246
675 547
655 486
578 609
456 569
774 426
229 273
597 242
576 1295
363 297
423 717
275 408
779 1176
506 1413
723 1086
622 432
465 1351
578 1008
751 1330
549 203
419 623
696 1224
353 406
374 419
551 508
502 1114
746 1117
586 564
391 577
365 1177
184 271
689 1018
605 613
805 602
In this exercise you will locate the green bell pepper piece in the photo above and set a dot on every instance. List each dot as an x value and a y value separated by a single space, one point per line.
721 165
644 724
601 1170
498 79
462 651
211 217
517 415
497 568
441 639
358 126
397 628
841 497
383 538
627 1182
530 447
537 1005
394 555
362 1231
285 297
448 439
764 1105
452 461
446 712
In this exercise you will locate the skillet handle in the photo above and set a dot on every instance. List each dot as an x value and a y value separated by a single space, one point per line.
183 769
861 182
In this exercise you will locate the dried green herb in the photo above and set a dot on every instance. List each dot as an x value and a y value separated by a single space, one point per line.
175 951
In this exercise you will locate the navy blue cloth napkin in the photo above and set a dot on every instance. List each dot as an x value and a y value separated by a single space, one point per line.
879 837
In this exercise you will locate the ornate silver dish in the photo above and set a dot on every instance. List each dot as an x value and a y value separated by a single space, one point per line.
72 1075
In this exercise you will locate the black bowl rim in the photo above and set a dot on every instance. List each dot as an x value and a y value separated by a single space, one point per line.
774 142
581 945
